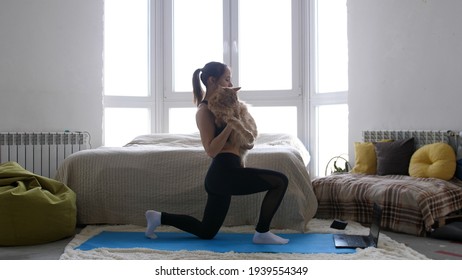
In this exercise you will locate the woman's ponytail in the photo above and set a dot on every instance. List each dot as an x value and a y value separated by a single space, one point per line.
197 88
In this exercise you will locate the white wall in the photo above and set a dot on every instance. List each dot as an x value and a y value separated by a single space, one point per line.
405 65
51 66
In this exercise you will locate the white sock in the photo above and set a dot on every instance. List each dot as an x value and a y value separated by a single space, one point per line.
153 221
268 238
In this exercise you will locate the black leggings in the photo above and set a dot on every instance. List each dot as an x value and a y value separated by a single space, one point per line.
225 178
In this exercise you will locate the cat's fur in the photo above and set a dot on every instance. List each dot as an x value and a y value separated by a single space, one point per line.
228 109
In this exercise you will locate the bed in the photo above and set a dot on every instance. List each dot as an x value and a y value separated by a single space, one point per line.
412 205
116 185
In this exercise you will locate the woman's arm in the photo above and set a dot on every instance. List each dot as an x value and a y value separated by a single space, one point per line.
205 122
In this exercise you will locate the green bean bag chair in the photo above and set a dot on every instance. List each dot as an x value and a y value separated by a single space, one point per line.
34 209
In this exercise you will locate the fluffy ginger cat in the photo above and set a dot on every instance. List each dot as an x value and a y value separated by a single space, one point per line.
228 109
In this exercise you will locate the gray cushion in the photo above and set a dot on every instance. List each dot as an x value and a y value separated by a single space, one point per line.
393 157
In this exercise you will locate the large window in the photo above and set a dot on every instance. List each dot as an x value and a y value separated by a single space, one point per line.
153 47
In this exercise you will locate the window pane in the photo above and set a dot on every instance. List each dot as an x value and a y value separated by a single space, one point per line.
197 38
332 46
280 119
126 48
182 120
121 125
265 45
332 132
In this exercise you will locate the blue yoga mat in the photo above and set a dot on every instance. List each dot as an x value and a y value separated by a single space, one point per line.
309 243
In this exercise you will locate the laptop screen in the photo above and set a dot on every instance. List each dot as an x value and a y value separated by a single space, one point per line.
376 220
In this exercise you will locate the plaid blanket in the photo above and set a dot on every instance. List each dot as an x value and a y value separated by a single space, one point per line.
410 205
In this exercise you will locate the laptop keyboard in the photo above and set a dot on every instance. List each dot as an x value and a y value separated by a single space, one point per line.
357 240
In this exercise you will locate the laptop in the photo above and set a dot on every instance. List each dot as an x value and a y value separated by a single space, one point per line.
362 241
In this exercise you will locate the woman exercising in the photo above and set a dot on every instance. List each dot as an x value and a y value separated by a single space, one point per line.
225 177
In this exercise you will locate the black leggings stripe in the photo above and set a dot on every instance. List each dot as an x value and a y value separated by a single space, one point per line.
225 178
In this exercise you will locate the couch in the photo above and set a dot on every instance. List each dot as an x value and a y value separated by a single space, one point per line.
410 174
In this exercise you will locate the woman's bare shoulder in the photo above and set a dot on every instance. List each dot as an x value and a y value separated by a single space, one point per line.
203 111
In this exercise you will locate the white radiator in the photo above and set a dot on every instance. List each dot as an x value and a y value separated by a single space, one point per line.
41 152
421 137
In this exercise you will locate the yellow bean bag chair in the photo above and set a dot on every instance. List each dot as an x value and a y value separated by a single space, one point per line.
33 209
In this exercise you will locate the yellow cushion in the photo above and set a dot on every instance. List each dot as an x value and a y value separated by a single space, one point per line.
365 158
436 160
